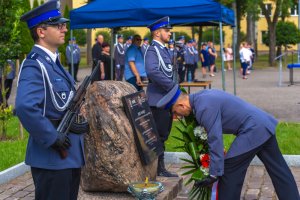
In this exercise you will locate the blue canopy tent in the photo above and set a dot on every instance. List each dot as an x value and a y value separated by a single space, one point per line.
136 13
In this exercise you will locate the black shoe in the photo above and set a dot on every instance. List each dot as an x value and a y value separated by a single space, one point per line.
161 169
166 173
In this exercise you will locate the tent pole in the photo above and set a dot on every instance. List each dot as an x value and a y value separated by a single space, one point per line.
234 58
111 53
221 50
72 58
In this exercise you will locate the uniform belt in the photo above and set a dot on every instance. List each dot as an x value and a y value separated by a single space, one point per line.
55 122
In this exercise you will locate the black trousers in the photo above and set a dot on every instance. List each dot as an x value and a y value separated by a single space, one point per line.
76 65
230 184
181 72
190 68
56 184
163 121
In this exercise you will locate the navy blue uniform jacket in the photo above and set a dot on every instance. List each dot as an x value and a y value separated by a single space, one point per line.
222 113
35 108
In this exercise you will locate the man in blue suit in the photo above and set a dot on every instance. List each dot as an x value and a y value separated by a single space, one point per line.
222 113
159 70
44 91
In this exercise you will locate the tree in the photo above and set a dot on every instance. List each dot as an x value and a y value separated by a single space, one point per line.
272 22
9 48
212 34
287 34
80 36
35 4
62 48
27 42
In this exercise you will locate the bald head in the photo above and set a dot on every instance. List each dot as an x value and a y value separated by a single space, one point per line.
100 38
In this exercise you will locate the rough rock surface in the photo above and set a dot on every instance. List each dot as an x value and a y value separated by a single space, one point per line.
112 159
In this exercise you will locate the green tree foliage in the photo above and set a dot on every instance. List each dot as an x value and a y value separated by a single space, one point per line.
42 2
26 41
212 34
287 34
35 4
62 48
127 32
9 34
80 36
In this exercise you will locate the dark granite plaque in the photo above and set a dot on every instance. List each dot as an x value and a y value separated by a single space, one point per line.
145 132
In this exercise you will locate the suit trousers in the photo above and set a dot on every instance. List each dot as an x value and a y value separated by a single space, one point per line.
235 168
163 121
56 184
76 66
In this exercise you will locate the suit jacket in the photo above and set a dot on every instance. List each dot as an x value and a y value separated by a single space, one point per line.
35 109
160 80
222 113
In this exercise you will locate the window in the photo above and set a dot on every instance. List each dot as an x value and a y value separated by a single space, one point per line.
294 10
268 7
264 35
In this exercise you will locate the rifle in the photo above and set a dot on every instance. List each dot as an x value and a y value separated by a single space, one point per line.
74 108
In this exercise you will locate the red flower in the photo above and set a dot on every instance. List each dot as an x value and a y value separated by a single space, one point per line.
205 159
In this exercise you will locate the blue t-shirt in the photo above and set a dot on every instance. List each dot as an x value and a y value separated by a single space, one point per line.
134 54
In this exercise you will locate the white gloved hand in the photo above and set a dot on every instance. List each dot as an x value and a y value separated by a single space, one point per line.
118 66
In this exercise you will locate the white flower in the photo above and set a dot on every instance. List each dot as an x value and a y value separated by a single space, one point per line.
200 132
205 170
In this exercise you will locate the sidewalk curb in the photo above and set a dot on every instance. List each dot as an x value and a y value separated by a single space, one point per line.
174 157
170 158
13 172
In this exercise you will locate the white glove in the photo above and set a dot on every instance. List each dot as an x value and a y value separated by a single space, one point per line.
118 66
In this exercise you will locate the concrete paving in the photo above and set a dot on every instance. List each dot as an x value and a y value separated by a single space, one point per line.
261 89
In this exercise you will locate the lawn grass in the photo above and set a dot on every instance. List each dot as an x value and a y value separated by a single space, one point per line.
288 137
12 150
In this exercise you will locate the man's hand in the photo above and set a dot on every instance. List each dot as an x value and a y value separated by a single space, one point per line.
62 142
102 76
208 181
118 66
138 80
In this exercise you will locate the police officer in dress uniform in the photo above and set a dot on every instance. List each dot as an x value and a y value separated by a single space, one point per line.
43 94
222 113
73 47
189 58
128 42
119 56
196 58
159 70
145 45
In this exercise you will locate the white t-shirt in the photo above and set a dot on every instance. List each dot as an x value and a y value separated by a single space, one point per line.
245 55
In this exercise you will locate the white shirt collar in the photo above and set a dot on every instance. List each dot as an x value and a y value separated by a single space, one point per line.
53 56
161 44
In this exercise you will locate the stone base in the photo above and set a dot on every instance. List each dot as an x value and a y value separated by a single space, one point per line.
172 186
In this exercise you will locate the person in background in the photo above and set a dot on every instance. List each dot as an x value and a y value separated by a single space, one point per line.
105 66
254 130
134 64
128 42
119 56
204 58
189 58
97 50
180 61
44 92
8 80
159 70
76 57
212 57
145 45
196 59
229 56
245 58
